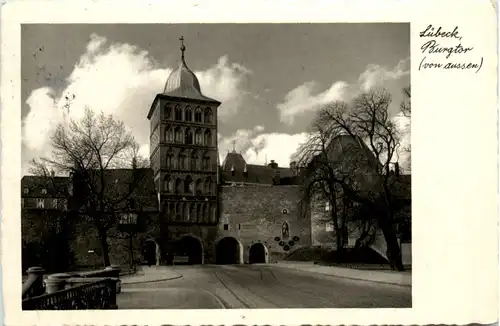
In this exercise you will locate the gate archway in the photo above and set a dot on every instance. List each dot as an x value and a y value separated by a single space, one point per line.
257 254
191 247
228 250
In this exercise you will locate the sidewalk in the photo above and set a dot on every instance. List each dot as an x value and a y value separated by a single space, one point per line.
390 277
147 274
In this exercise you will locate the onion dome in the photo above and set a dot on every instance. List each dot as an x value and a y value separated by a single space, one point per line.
182 82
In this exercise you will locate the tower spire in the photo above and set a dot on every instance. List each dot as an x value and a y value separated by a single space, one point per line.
234 146
183 48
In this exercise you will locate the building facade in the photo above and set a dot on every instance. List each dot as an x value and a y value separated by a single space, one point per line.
187 205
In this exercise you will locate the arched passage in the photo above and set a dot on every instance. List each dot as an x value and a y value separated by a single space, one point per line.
150 252
257 254
191 247
228 251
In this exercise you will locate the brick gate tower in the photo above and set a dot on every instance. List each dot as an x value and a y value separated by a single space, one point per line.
183 157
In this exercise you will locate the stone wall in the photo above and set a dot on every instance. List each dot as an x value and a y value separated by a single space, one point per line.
254 214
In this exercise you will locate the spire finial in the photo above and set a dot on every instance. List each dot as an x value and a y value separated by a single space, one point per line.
234 146
183 48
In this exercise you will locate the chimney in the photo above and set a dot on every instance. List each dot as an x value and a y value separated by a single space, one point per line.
52 173
293 167
396 169
273 164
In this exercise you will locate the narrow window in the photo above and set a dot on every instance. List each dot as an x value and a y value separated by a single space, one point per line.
168 111
226 226
197 115
44 191
178 113
189 114
40 203
208 116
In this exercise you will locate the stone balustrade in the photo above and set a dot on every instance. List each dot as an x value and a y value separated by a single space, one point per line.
76 290
34 284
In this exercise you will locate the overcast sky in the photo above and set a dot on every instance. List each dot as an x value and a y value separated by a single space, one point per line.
270 78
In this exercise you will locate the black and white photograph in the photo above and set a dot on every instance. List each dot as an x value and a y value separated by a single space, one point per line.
216 166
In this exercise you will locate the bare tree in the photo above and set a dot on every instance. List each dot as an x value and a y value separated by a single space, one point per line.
406 110
88 149
325 171
406 104
362 169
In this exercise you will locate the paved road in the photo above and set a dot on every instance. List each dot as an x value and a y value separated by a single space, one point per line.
260 286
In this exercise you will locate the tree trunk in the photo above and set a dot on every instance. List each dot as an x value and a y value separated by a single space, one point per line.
131 251
393 248
340 246
103 239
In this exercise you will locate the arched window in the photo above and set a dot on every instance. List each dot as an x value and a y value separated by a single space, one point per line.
208 116
185 212
167 109
208 138
178 135
169 161
213 214
197 115
198 187
192 212
198 137
189 114
208 186
169 135
206 213
188 185
188 136
200 212
178 185
170 209
167 184
178 211
178 113
194 160
206 162
182 160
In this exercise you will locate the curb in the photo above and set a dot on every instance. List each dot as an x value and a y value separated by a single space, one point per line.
350 277
153 281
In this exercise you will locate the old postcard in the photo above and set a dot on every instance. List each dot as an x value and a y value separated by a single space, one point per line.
216 163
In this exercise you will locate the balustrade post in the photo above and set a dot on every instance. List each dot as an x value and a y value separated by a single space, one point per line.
56 282
35 279
114 270
115 273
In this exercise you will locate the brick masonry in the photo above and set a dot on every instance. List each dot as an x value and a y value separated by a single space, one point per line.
254 214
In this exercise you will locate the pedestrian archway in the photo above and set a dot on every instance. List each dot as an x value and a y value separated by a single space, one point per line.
257 254
228 251
150 252
189 246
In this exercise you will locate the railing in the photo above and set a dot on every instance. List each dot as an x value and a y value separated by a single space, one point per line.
95 294
33 286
